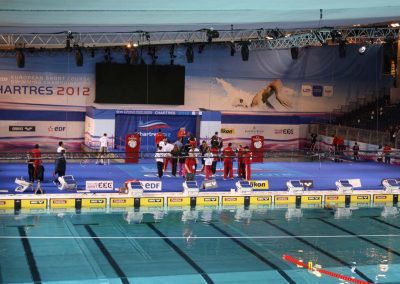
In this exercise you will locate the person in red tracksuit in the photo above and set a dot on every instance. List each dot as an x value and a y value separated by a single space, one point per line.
228 155
37 162
159 137
240 166
247 157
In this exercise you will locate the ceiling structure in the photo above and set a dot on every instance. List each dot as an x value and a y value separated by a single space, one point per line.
262 24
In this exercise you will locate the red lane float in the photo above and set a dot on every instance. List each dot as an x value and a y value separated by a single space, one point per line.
323 271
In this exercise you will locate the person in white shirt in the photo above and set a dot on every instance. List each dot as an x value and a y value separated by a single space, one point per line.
60 147
168 148
159 160
208 160
103 149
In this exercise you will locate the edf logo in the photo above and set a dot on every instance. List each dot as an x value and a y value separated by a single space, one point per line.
57 128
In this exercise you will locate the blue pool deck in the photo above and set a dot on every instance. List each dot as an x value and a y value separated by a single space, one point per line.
324 175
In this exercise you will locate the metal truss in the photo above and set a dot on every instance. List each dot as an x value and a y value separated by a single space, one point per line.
257 38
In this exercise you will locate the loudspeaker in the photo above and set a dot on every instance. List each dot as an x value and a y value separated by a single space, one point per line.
20 57
294 51
79 58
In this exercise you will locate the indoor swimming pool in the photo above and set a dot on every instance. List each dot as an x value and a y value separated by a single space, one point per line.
233 245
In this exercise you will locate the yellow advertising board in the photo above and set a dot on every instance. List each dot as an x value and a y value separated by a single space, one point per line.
311 199
260 200
152 201
178 201
34 203
285 199
259 184
337 199
121 202
62 203
6 203
207 200
378 198
232 200
94 202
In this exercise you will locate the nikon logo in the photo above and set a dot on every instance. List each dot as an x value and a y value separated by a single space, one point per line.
227 131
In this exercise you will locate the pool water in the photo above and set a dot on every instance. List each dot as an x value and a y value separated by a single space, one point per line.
201 246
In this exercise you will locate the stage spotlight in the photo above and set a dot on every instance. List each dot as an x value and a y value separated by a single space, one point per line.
20 57
211 34
245 51
363 49
79 58
294 51
189 54
68 39
342 49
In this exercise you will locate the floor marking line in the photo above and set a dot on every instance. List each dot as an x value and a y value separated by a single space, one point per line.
29 256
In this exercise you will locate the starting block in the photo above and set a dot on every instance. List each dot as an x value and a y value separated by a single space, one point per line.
295 186
22 185
135 188
67 182
344 186
391 185
243 187
191 188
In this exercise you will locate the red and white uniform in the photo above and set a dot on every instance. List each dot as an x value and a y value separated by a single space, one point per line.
228 154
247 157
159 137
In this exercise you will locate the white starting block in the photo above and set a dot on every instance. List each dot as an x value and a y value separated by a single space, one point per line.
67 182
391 185
344 186
135 188
191 188
295 186
243 187
22 185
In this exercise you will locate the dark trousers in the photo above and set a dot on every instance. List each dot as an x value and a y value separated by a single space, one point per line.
174 166
214 167
160 169
31 172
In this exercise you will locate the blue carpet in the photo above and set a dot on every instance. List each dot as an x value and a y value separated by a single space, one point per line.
323 174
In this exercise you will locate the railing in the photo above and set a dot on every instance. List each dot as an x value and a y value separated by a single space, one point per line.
354 134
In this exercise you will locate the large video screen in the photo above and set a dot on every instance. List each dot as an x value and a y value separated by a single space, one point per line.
140 84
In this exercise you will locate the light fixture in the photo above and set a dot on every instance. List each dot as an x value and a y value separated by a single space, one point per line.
68 39
245 51
211 34
20 57
363 49
294 51
79 58
129 45
189 54
395 25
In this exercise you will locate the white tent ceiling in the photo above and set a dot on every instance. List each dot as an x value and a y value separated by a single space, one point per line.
26 16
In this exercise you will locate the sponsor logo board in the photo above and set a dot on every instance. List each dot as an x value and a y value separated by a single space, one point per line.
259 184
99 185
306 90
150 185
14 128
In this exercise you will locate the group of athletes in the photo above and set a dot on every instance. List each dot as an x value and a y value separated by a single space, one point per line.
184 156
